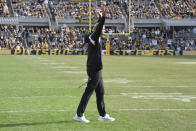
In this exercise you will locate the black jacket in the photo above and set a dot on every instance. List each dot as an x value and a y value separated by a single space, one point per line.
94 61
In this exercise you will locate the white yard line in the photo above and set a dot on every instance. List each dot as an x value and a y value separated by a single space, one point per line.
53 63
131 109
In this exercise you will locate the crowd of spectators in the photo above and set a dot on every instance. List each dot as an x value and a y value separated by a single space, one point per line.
143 9
67 38
71 9
11 37
63 38
81 9
30 8
4 12
156 39
177 9
14 37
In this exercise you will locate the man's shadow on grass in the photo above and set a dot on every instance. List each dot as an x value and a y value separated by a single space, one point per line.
34 123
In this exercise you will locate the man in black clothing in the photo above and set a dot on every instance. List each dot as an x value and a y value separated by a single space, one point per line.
94 67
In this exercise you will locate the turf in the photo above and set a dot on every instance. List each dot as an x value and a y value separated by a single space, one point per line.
38 95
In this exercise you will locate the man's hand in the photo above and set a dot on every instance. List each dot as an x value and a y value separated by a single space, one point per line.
98 12
104 11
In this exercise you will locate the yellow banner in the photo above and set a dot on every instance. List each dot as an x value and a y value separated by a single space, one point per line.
5 52
189 52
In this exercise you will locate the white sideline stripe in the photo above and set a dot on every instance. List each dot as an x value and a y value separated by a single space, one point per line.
65 67
151 93
184 86
157 110
75 72
40 58
27 97
31 111
46 60
131 109
115 80
139 86
39 87
186 63
158 96
52 63
158 86
78 72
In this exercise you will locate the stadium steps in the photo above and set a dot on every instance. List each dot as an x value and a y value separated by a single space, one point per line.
157 6
52 20
126 14
126 21
9 4
25 43
186 35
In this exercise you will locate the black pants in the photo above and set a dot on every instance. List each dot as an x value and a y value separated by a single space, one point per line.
95 82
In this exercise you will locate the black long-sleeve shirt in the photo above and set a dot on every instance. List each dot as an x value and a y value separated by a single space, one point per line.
94 61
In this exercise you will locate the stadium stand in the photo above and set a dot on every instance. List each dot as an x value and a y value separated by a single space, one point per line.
29 8
81 9
177 9
11 36
144 9
4 12
63 38
57 24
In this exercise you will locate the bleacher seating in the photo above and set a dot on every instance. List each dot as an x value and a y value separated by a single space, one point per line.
26 28
4 12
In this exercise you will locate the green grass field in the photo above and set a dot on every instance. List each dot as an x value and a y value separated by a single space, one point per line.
40 93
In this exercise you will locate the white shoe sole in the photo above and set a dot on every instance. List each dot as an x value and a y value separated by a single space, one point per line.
79 120
106 120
